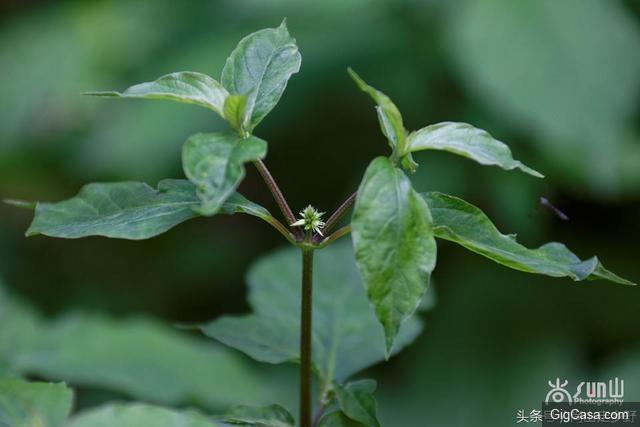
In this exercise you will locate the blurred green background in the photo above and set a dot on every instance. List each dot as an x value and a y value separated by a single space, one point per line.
559 81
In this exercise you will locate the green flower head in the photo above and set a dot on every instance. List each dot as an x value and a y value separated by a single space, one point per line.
310 220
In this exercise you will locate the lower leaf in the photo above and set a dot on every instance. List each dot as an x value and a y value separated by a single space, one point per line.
27 404
266 416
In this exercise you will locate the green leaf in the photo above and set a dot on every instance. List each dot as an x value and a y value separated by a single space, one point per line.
186 86
390 121
266 416
125 210
138 415
33 404
235 112
394 244
357 402
346 335
139 357
460 222
260 67
214 162
467 141
338 419
128 210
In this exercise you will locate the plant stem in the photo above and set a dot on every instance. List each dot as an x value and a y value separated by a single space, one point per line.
335 217
343 231
277 194
305 337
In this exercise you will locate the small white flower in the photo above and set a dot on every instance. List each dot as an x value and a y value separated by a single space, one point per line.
310 220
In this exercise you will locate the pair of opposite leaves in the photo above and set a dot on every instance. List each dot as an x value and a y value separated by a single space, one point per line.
394 228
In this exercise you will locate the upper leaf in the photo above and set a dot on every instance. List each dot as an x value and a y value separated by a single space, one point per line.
138 415
394 243
33 404
346 335
214 162
186 86
390 121
459 221
467 141
259 68
267 416
127 210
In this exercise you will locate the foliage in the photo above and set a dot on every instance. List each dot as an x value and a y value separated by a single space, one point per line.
393 231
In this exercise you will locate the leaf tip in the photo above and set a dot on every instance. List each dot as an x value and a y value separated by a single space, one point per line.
24 204
105 94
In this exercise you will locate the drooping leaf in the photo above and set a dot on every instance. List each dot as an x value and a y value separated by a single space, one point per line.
394 244
357 402
390 121
461 222
128 210
346 335
138 415
138 357
467 141
33 404
266 416
186 86
260 67
214 162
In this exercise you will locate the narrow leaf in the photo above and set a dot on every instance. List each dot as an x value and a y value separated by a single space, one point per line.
24 204
128 210
266 416
346 334
467 141
186 86
461 222
394 244
214 162
260 67
390 121
357 402
235 112
33 404
138 415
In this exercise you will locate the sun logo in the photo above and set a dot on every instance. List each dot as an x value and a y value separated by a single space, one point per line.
558 393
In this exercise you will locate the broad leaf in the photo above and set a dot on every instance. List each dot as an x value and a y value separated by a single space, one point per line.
267 416
346 335
214 162
390 121
394 244
138 357
139 415
260 67
467 141
461 222
357 402
186 86
33 404
128 210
